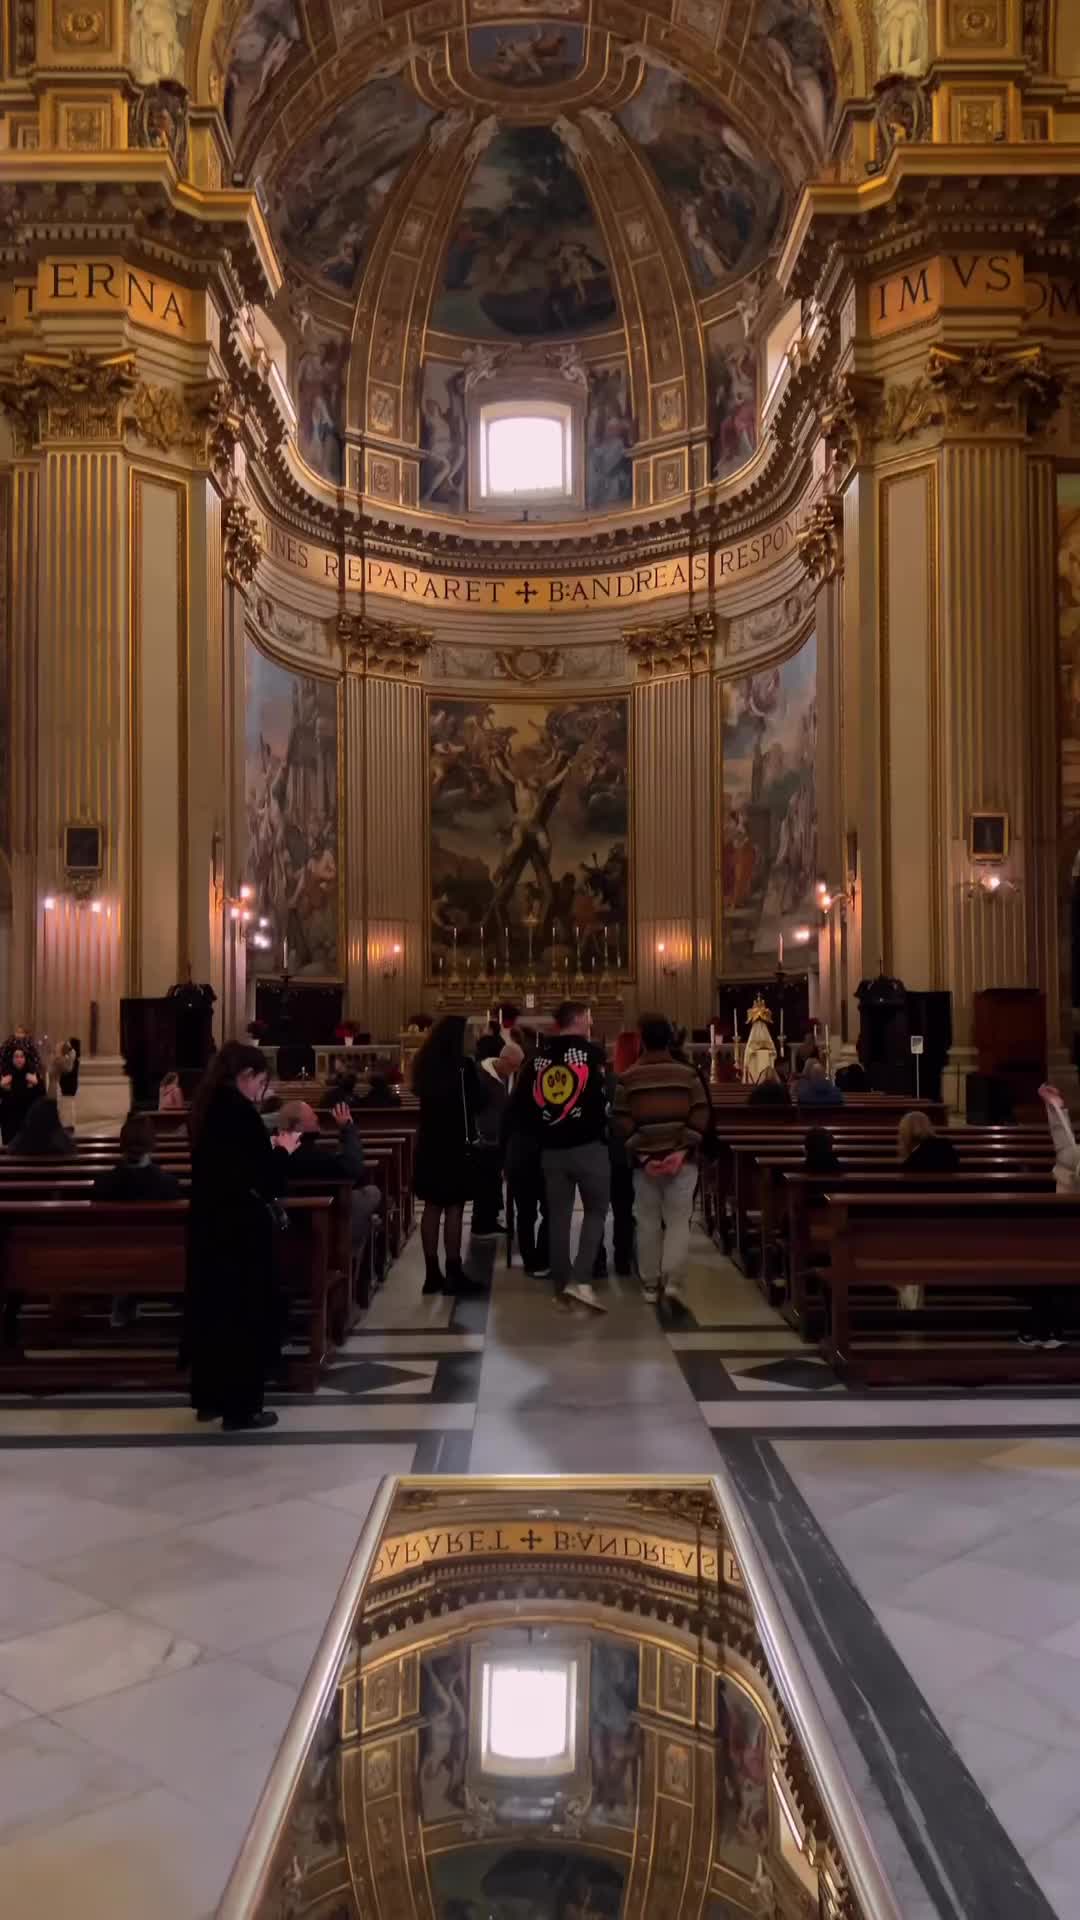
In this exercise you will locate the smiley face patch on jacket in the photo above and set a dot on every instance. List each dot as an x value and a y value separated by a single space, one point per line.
567 1089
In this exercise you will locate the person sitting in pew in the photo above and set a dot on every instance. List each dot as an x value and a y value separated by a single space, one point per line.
381 1091
347 1163
853 1078
815 1089
42 1133
769 1091
921 1149
135 1177
819 1154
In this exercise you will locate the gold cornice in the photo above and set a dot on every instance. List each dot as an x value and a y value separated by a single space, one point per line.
928 192
44 191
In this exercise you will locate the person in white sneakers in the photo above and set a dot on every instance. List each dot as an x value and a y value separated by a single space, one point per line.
569 1111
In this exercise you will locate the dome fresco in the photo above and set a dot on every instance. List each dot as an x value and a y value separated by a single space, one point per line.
489 174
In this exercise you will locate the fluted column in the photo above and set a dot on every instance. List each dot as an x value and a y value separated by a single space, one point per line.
21 546
985 706
386 891
1047 885
83 735
675 856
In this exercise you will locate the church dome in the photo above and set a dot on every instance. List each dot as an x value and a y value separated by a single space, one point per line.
523 195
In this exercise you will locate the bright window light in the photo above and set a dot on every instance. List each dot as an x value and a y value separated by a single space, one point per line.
525 455
528 1712
528 1716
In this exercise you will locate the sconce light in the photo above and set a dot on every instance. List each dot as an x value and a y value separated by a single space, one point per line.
802 936
95 906
666 968
247 892
988 885
391 972
49 903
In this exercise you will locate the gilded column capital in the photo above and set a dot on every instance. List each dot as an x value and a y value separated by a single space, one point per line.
987 387
67 395
243 546
821 546
381 647
681 646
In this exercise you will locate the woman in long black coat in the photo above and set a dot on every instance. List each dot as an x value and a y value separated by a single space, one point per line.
232 1328
451 1093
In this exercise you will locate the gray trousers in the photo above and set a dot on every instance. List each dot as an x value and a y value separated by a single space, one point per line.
566 1171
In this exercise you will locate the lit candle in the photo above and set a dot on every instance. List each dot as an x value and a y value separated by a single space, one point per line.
780 948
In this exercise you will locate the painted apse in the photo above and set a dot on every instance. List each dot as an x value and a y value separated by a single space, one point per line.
769 821
528 839
291 800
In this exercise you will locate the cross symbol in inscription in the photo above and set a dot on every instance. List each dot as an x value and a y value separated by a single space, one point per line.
532 1540
527 593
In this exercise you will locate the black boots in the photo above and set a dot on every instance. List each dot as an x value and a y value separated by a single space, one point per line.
433 1280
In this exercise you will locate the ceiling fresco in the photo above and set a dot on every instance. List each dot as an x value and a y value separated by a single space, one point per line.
526 255
725 196
327 202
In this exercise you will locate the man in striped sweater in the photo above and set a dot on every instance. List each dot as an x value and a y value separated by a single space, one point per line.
661 1110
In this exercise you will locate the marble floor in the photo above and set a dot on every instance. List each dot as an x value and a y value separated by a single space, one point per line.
162 1588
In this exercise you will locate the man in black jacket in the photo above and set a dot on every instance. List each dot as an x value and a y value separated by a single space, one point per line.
136 1176
312 1161
569 1112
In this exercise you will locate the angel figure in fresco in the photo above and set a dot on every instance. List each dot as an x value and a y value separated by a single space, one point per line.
445 1742
532 796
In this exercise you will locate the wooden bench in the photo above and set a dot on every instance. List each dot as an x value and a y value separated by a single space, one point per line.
760 1200
1017 1244
810 1224
65 1254
756 1166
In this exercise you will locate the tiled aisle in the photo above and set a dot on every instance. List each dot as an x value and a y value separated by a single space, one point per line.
161 1589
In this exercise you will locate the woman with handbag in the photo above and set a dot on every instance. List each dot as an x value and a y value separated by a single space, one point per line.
451 1094
232 1327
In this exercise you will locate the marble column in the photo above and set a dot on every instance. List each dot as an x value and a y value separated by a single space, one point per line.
386 891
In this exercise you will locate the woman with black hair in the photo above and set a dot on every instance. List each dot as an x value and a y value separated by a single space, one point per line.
232 1330
42 1131
451 1094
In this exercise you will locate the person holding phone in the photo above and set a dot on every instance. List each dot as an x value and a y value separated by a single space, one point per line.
238 1170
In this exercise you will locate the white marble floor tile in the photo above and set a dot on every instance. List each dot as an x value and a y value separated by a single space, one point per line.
1017 1605
1035 1693
40 1526
945 1527
47 1774
1056 1867
290 1533
585 1376
287 1658
554 1442
355 1498
942 1656
992 1755
215 1713
846 1411
88 1658
30 1601
12 1711
1040 1803
155 1854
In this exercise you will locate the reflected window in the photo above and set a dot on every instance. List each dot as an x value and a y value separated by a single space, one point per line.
526 453
528 1710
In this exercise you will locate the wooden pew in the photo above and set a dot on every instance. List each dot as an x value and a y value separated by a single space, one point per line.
811 1223
760 1199
755 1166
1019 1243
74 1252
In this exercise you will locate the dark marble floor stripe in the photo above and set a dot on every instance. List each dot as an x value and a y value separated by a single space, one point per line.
347 1437
966 1859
